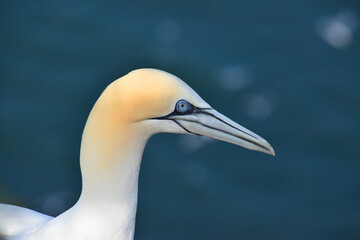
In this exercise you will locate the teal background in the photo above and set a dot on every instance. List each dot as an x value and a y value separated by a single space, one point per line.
287 70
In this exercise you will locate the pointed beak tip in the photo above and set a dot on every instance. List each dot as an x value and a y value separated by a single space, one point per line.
268 148
271 151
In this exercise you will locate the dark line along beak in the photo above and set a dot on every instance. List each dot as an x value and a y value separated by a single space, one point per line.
210 123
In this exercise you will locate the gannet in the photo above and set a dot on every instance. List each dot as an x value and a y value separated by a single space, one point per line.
129 111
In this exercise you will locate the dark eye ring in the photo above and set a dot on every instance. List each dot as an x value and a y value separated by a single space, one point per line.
182 106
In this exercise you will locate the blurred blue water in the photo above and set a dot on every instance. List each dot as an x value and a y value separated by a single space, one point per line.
289 71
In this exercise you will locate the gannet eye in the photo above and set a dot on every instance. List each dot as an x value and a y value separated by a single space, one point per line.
182 106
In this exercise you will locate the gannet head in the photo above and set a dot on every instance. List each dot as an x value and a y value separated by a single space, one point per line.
153 101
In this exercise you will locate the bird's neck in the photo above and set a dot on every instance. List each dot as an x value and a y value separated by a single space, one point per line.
110 161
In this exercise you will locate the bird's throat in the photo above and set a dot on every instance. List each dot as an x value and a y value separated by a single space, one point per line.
110 162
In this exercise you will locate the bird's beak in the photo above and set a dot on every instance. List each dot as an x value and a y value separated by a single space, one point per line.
210 123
